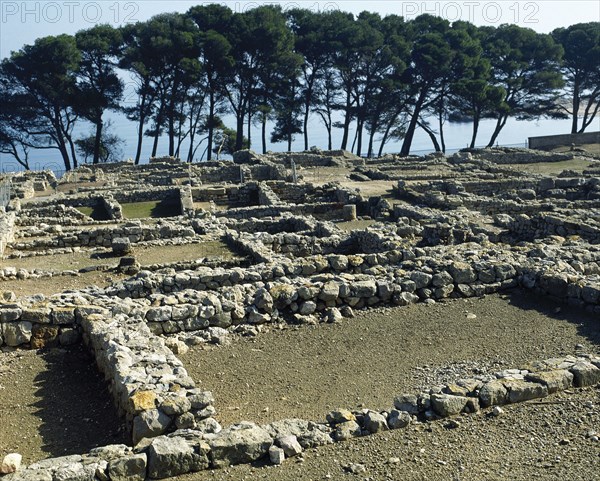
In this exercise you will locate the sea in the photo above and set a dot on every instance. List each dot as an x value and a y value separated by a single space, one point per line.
457 136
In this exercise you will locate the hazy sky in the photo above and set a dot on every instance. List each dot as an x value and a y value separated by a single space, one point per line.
22 22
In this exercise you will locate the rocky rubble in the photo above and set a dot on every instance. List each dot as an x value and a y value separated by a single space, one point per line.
188 450
477 229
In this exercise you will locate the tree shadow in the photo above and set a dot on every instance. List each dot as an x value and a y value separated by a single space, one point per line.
75 408
588 324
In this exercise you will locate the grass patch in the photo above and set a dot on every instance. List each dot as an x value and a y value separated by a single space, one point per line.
590 148
187 252
56 262
86 210
153 208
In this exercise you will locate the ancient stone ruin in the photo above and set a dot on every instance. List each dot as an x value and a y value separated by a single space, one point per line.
466 225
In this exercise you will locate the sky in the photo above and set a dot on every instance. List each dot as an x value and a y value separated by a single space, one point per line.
21 22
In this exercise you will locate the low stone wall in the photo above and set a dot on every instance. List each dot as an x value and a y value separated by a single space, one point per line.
394 277
323 210
502 155
112 207
340 158
37 326
266 196
186 201
544 225
150 386
222 172
147 195
34 214
103 237
274 225
193 450
549 141
7 226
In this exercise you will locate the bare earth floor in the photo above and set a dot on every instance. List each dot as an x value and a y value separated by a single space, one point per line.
547 440
367 361
52 285
53 403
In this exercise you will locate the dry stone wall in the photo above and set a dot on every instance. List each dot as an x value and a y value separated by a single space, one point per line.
104 237
477 229
193 450
7 226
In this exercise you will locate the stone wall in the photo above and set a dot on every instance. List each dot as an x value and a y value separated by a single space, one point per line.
502 155
37 324
318 158
146 195
7 226
112 207
549 141
266 196
394 277
544 225
186 201
212 447
104 236
150 386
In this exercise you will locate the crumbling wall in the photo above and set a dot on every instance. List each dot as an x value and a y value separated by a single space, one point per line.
7 226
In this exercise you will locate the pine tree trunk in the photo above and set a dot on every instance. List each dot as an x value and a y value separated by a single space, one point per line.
371 140
140 139
211 121
347 116
239 134
359 134
97 141
171 134
575 112
476 119
155 143
249 130
264 134
434 141
412 126
305 124
442 140
499 126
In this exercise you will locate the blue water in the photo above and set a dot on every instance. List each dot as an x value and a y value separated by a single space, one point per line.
457 135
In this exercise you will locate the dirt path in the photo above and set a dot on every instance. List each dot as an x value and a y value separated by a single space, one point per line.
367 361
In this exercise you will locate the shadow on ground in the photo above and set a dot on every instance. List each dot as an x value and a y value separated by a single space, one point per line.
588 324
76 409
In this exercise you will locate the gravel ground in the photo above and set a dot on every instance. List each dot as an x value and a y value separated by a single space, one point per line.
53 403
548 440
366 361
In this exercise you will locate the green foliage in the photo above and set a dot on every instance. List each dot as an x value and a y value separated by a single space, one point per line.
99 87
109 150
39 86
225 142
581 70
386 77
526 65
